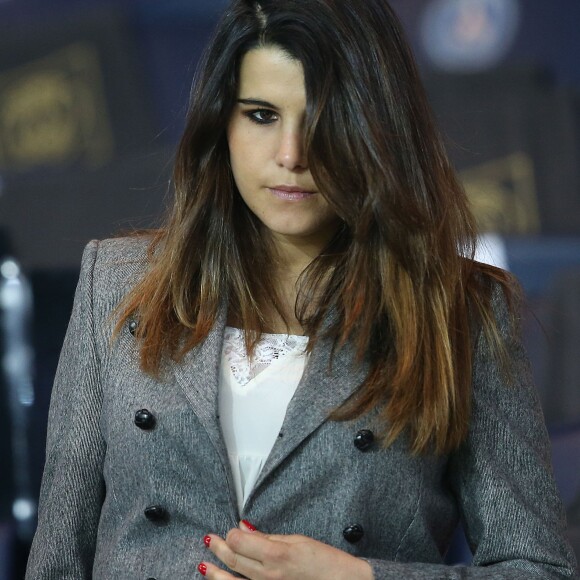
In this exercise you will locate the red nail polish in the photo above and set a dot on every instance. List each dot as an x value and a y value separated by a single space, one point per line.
207 541
202 569
249 526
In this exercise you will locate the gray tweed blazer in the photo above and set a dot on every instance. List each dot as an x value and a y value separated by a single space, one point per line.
122 501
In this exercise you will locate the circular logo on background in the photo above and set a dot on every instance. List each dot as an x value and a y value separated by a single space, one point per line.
469 35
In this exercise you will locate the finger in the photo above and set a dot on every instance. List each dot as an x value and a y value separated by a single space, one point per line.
254 545
229 555
287 539
248 527
213 572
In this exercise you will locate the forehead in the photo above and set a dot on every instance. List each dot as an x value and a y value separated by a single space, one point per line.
270 74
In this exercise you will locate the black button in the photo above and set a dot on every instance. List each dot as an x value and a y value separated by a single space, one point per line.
156 514
353 534
144 419
133 327
364 440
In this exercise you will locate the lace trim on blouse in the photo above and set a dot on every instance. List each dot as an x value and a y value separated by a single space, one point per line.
270 347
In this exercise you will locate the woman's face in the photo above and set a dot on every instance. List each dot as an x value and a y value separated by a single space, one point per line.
265 138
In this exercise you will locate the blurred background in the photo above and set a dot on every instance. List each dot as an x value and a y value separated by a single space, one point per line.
93 96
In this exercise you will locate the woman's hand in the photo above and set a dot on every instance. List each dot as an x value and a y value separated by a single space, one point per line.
260 556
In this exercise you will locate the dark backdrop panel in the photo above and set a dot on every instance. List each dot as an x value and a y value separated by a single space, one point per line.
513 136
53 292
71 91
50 218
173 35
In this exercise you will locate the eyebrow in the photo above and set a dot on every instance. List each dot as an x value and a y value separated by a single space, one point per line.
257 102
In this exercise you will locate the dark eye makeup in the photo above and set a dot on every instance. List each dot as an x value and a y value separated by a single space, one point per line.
261 116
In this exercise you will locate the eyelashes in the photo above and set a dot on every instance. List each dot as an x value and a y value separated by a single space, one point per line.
261 116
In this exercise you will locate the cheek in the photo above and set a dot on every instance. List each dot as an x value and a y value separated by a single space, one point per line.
237 170
242 156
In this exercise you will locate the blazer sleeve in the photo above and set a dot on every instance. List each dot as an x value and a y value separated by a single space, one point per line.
72 490
502 479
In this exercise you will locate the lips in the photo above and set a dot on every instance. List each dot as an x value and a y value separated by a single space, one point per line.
291 193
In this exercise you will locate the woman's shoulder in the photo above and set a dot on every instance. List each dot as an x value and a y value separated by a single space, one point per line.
115 265
496 286
121 251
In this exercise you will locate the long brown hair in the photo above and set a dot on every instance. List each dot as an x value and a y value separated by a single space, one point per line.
399 276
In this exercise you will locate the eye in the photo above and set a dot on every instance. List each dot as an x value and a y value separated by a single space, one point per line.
261 116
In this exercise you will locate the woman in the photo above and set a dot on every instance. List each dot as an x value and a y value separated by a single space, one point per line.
319 227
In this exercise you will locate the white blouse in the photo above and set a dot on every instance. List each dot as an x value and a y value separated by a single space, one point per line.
253 398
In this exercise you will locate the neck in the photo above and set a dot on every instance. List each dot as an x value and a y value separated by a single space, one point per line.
292 257
294 254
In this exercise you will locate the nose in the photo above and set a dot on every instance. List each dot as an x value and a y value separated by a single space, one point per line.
290 152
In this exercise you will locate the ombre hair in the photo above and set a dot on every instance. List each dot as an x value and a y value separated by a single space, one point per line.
398 280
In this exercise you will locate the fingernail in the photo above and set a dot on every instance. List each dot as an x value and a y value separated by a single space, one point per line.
202 569
249 525
207 541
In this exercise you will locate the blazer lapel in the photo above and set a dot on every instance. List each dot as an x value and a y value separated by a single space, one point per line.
198 376
323 388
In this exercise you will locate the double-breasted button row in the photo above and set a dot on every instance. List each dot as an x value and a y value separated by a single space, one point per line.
144 419
156 514
364 440
353 534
